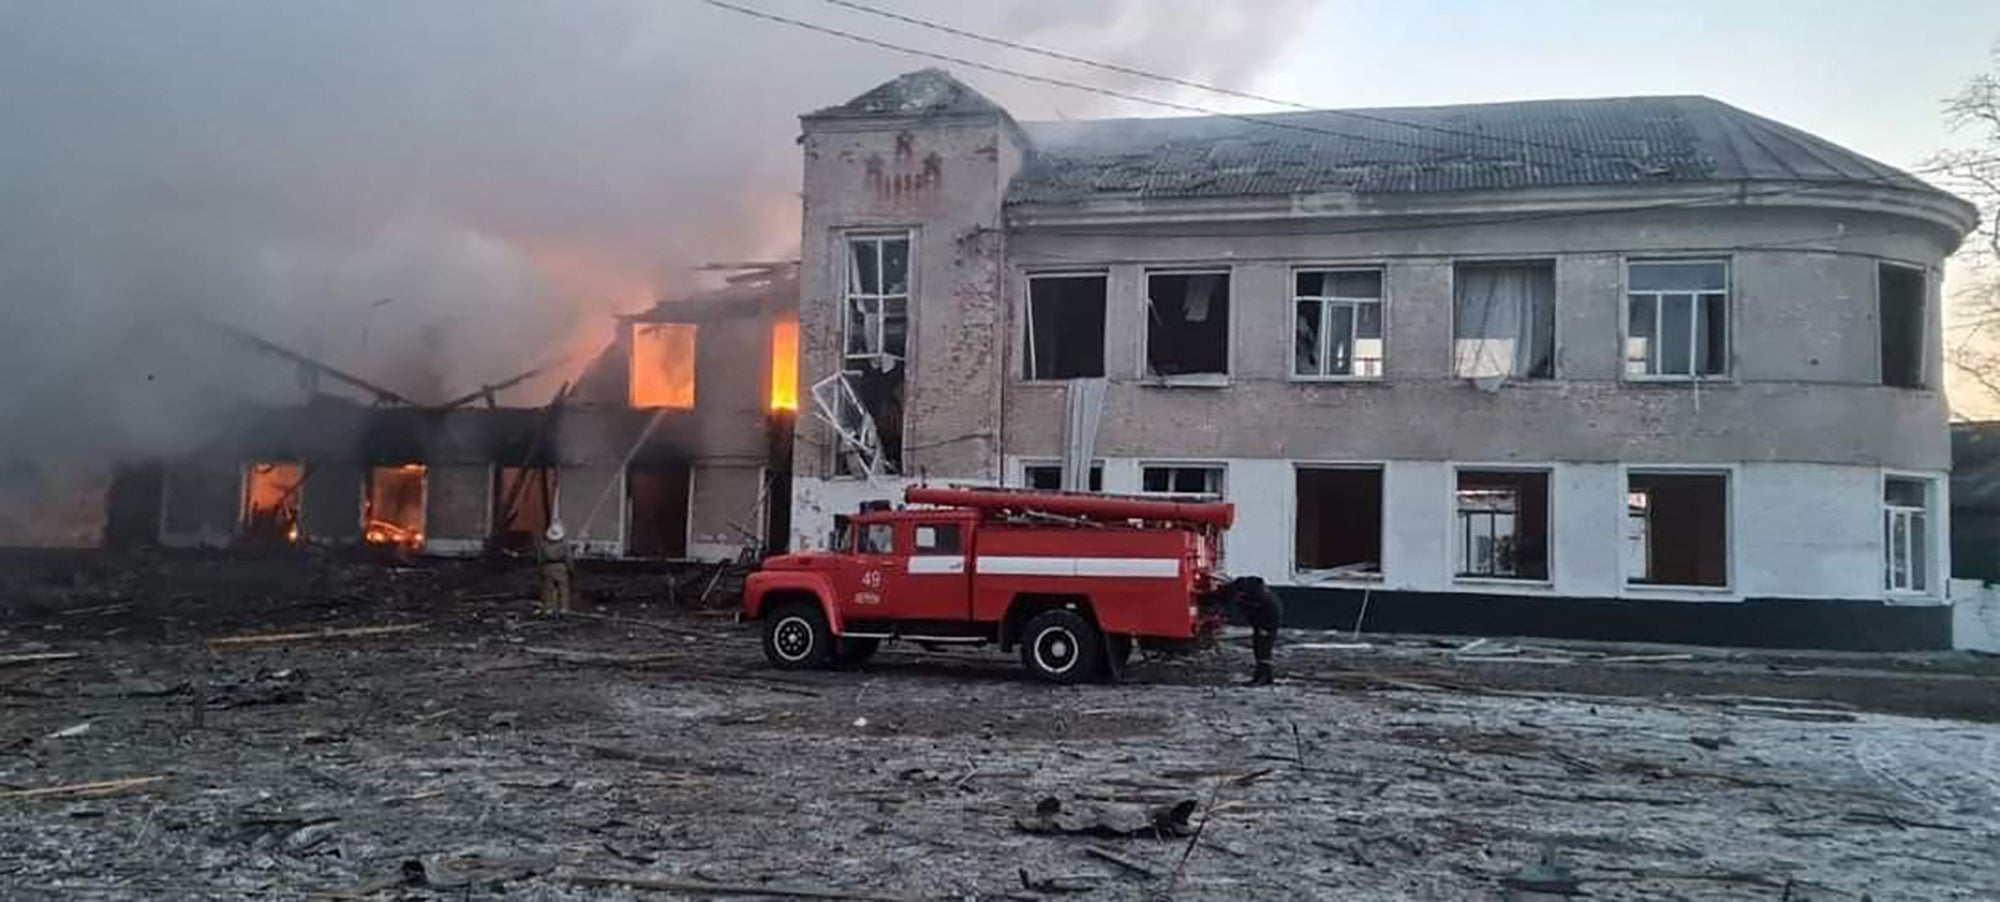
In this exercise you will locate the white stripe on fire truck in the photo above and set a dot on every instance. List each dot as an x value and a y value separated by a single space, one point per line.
1151 567
934 565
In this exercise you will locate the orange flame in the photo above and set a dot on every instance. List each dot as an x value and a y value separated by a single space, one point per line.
785 365
663 365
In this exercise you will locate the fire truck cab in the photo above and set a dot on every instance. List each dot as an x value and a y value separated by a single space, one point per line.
1073 581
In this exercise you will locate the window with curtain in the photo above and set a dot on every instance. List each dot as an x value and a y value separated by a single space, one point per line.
1504 320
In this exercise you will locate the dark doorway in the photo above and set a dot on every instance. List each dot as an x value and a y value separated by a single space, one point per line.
523 505
659 505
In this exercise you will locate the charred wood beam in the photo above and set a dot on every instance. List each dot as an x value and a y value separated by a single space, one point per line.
488 391
278 350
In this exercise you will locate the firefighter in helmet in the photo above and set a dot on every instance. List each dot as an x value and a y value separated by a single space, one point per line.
1258 606
553 554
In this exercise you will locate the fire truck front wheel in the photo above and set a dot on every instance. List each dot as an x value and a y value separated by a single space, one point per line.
796 637
1060 646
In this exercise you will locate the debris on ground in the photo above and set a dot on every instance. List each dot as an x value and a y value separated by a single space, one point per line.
653 755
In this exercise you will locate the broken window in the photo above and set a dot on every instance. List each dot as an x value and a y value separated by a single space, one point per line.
1204 481
1337 323
864 402
1048 477
785 364
878 300
1187 323
1677 529
1065 328
658 503
663 365
395 513
1677 324
1504 320
1338 530
523 505
1905 534
270 510
1503 522
1902 291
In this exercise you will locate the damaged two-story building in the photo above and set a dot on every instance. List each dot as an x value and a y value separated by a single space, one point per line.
672 443
1647 367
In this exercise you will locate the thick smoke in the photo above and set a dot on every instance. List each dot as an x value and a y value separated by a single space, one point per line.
434 195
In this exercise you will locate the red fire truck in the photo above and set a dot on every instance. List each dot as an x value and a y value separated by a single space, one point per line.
1075 581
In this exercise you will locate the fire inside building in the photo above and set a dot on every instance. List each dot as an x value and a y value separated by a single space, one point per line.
666 445
1638 368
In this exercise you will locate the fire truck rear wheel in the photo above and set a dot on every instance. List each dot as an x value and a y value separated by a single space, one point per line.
796 637
1060 646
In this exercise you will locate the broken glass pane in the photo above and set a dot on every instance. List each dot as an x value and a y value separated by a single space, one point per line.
1711 339
863 277
895 326
1676 334
1340 339
1305 339
896 266
1639 337
860 331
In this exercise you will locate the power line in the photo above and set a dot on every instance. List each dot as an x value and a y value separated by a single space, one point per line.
1215 89
1723 196
1061 83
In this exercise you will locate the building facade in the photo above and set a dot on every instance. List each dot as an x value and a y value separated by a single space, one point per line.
673 443
1635 367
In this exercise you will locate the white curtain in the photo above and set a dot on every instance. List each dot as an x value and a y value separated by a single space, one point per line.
1504 321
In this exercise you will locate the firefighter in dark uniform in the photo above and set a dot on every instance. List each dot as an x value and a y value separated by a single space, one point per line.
1258 606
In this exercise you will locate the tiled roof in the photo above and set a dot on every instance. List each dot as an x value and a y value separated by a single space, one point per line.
1529 144
925 92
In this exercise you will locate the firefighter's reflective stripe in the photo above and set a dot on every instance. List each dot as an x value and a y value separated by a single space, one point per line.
934 565
1130 567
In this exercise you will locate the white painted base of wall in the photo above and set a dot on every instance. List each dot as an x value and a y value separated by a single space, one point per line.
1797 530
1975 616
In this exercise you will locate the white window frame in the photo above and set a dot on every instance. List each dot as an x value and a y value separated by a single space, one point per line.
1325 302
1732 554
1549 550
1925 519
1220 468
1145 329
849 296
1728 293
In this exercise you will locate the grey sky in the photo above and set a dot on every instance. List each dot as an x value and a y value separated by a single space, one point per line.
509 171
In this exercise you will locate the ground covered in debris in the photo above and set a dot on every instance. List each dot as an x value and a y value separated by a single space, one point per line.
465 746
